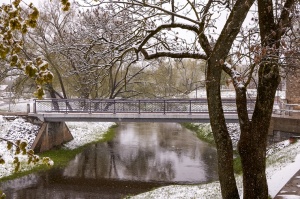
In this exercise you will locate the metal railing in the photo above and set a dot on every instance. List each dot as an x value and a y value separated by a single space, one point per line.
131 106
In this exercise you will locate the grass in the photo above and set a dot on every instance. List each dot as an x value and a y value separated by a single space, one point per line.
60 156
202 132
237 165
205 134
24 173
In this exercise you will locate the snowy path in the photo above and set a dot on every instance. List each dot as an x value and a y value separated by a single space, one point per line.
279 179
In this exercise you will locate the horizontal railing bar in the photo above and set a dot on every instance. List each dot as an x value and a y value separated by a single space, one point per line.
136 100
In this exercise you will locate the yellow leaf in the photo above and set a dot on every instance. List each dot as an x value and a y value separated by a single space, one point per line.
18 151
29 160
16 160
17 167
30 152
22 145
9 145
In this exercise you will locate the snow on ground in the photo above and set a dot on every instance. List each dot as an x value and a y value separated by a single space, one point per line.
12 131
15 105
86 132
230 93
19 129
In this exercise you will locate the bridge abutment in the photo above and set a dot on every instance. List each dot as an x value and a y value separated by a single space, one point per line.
51 135
282 128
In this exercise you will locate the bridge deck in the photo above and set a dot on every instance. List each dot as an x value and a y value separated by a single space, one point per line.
129 117
110 110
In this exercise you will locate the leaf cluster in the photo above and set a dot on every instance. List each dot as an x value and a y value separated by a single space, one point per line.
2 195
19 147
66 5
14 23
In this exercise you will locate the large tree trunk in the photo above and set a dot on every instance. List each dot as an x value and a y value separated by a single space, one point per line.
217 120
253 140
220 132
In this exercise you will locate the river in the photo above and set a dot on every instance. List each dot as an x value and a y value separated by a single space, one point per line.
142 156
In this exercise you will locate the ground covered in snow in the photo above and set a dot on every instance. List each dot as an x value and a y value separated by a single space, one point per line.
19 129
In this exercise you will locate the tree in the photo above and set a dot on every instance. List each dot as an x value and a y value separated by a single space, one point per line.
13 26
169 78
15 20
73 44
159 23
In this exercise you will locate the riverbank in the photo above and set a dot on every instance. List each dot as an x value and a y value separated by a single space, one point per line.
18 129
204 132
280 155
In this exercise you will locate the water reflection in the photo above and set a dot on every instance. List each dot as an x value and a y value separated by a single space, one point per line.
141 156
148 152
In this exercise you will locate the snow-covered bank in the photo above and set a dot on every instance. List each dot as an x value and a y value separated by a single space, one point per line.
19 129
281 166
86 132
12 131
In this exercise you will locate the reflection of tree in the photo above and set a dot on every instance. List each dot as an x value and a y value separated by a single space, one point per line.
209 160
145 164
149 157
112 165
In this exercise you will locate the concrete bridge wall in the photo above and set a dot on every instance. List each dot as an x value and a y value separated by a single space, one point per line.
50 135
283 127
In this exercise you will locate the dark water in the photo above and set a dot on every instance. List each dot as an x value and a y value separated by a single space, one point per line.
141 157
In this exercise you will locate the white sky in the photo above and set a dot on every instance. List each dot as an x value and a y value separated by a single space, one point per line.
35 2
189 36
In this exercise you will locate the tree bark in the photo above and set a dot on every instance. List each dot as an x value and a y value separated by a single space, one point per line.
220 132
254 134
216 113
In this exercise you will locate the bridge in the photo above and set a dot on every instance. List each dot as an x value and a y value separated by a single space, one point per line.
131 110
55 112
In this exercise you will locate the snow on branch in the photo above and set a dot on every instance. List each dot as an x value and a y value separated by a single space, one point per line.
144 4
139 47
235 75
173 54
166 26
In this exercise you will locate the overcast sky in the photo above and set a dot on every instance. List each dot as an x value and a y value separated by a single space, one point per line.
27 1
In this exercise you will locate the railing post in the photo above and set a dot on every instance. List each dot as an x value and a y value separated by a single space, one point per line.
66 106
114 106
90 107
164 107
139 106
28 108
190 107
34 106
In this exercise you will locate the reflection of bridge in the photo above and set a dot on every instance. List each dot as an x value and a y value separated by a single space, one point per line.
111 110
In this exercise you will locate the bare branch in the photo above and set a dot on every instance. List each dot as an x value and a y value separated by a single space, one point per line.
173 54
166 26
